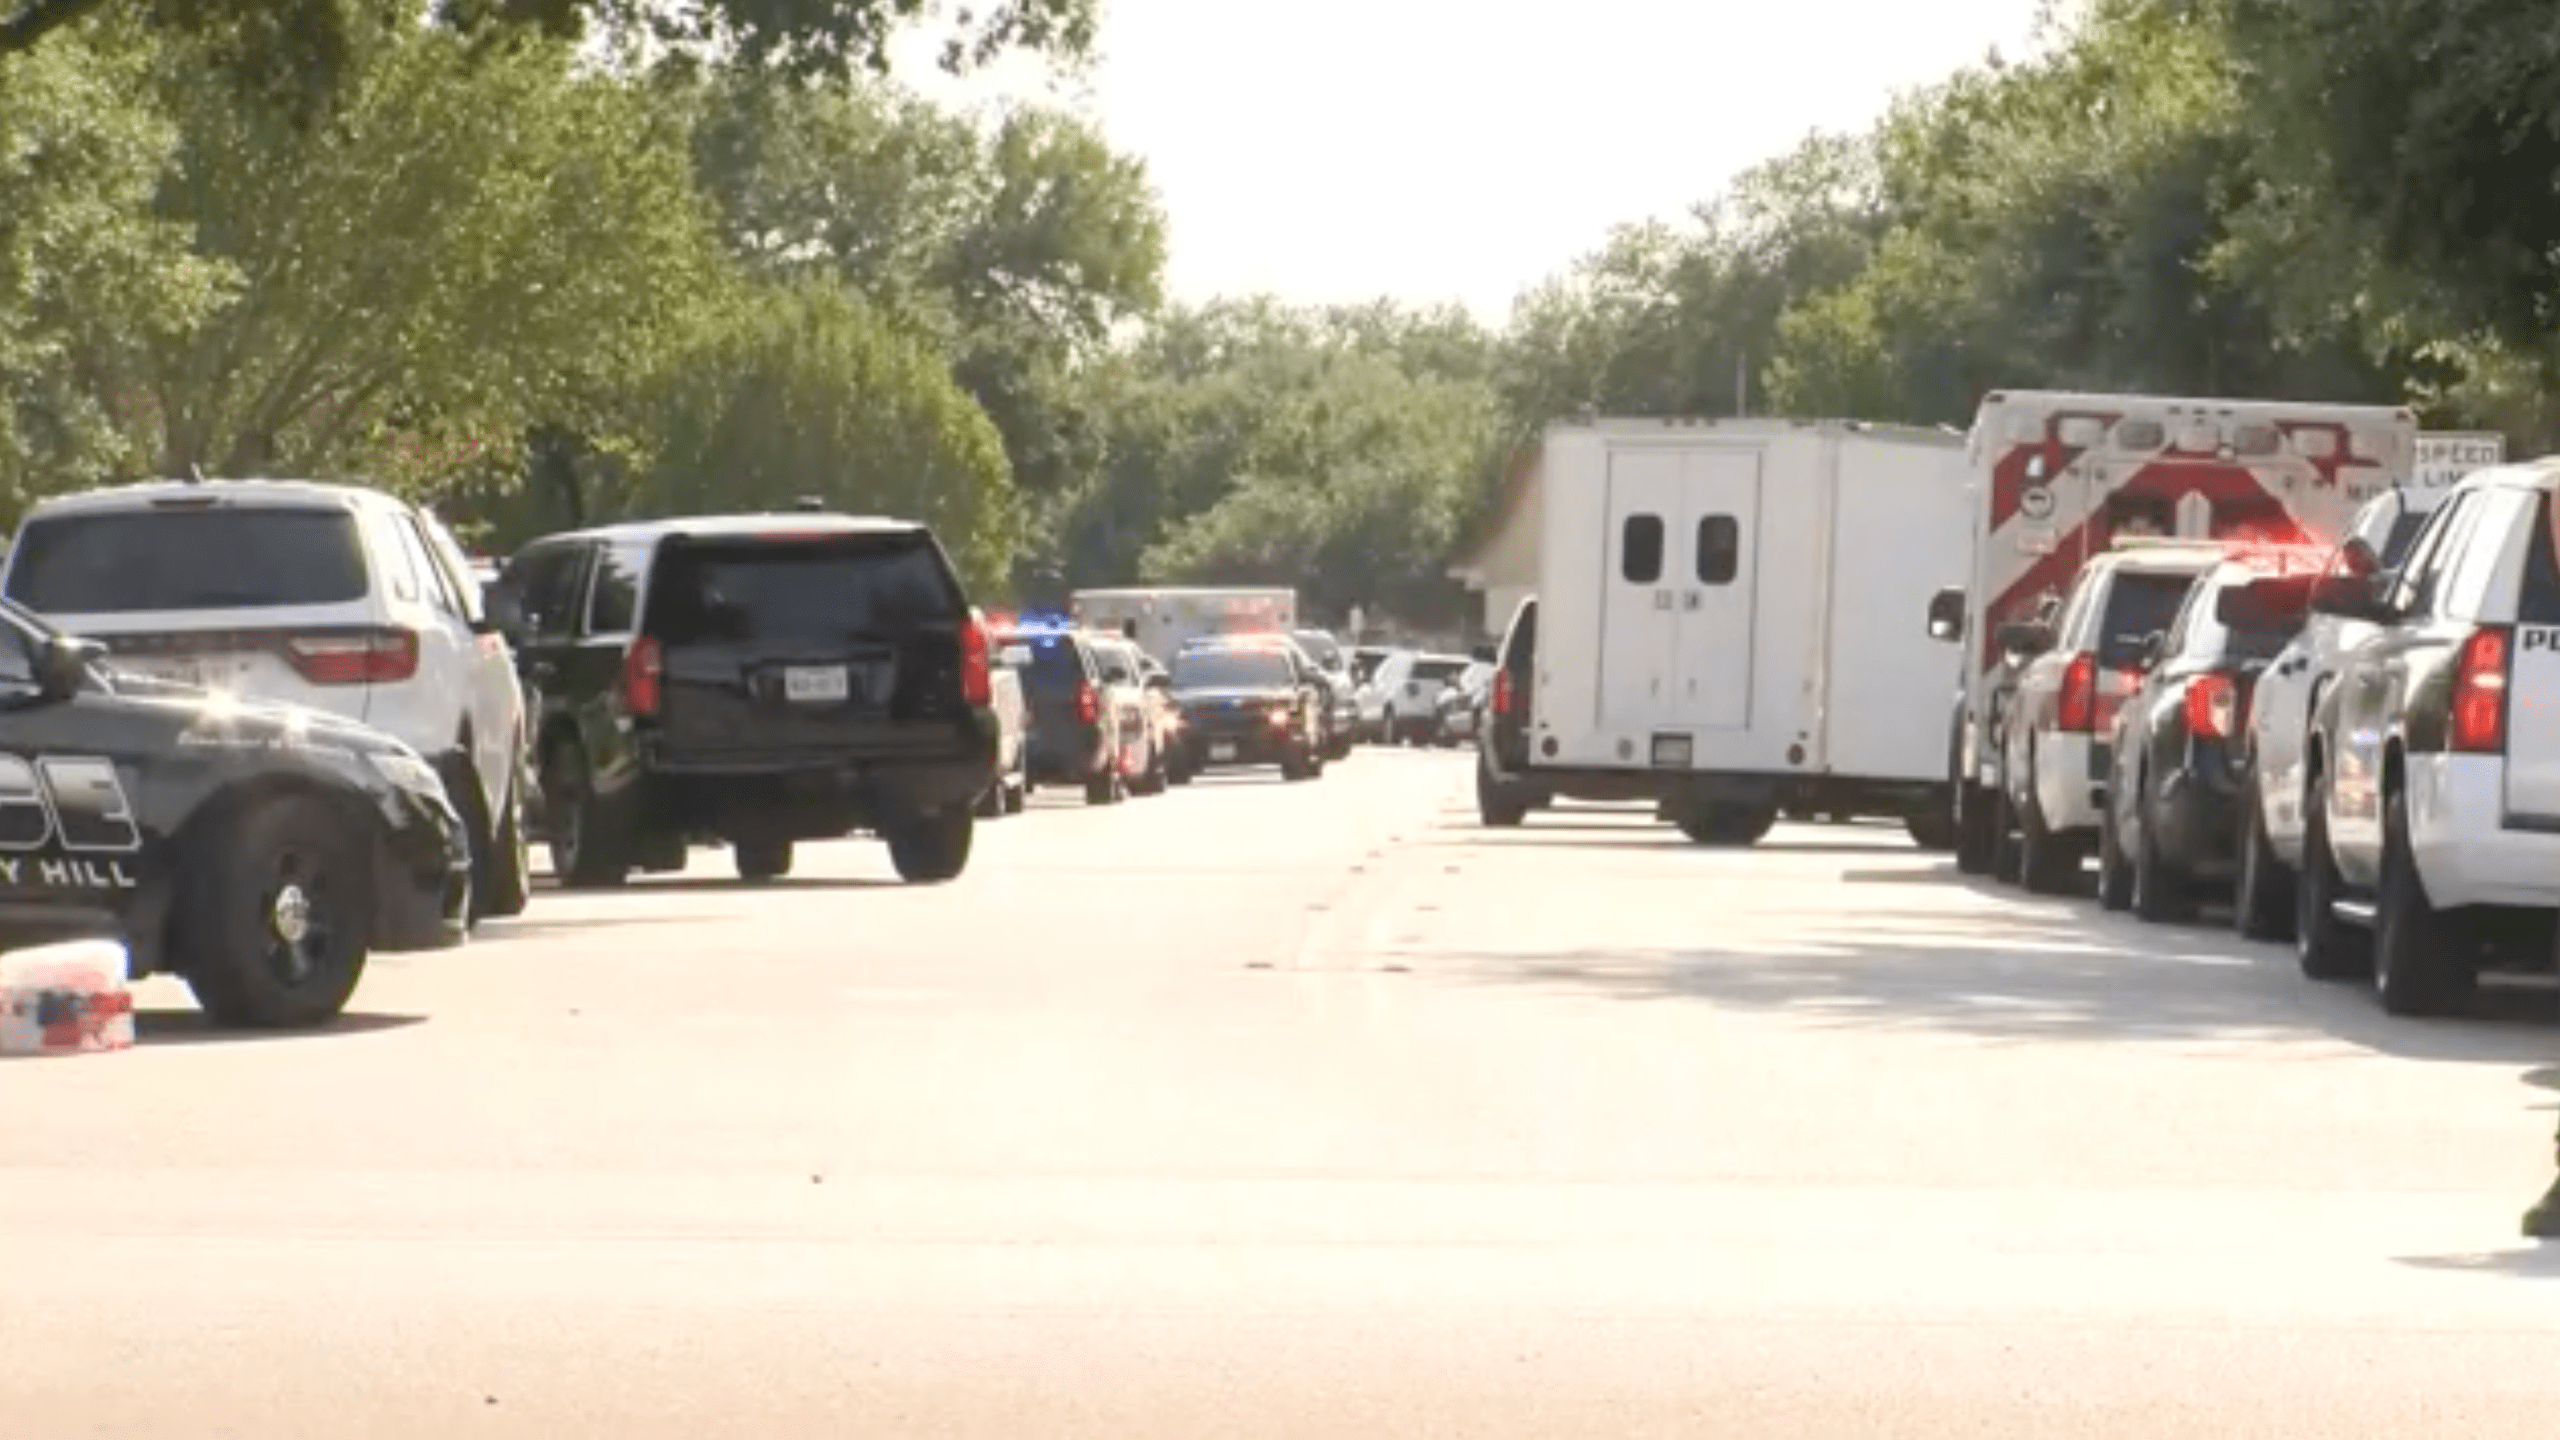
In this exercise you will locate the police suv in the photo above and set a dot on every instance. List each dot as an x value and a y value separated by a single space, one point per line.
260 852
2431 801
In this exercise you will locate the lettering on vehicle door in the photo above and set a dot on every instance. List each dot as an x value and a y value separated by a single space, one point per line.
66 823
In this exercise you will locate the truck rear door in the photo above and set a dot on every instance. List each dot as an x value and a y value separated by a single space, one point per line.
822 641
1719 538
2533 683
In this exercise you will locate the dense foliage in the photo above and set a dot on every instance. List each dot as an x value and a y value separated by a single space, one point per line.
550 261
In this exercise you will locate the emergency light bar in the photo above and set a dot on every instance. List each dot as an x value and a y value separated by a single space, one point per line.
2166 542
1034 622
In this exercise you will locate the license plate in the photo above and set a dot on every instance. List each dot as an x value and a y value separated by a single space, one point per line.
814 684
1223 750
1671 751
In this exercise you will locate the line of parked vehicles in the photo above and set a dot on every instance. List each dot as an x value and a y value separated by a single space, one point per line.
260 730
2297 656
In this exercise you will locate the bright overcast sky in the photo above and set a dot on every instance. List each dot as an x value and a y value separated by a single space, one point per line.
1327 150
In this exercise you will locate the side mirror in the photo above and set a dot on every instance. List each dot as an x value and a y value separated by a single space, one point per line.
1946 614
62 669
1014 657
2153 645
2349 597
2025 637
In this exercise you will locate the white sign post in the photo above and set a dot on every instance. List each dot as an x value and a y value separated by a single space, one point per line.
2445 456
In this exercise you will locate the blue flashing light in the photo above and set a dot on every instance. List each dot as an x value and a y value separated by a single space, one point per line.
1037 622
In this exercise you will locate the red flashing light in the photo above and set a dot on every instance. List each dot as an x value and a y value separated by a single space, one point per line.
643 671
2479 710
1088 704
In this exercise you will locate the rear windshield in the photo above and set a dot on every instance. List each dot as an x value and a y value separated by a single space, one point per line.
2209 638
1321 648
1440 670
1055 668
1229 669
794 589
226 558
2139 605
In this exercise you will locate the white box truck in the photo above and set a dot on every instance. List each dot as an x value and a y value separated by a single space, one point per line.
1162 619
1720 626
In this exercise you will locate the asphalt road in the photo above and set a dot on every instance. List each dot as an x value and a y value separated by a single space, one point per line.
1304 1110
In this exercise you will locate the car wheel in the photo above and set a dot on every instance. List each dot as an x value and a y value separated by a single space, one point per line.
1975 840
1496 806
1932 828
2160 892
2421 965
2047 863
504 885
761 860
929 849
585 854
2324 946
2262 896
2115 877
273 917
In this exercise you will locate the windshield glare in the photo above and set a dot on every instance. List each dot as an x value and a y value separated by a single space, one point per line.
1229 670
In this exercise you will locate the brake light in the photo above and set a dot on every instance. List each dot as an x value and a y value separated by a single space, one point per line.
2213 708
1088 704
2077 708
354 657
977 664
1502 692
2479 723
643 667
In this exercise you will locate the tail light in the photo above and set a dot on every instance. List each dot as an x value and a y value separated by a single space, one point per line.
2479 712
2077 708
2213 708
1088 704
1502 692
643 668
354 657
977 664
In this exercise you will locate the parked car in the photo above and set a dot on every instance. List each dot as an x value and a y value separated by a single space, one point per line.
1461 705
2178 783
337 597
753 681
1412 681
1342 691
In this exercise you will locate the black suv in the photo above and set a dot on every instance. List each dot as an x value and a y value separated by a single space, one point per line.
1248 702
752 680
1076 723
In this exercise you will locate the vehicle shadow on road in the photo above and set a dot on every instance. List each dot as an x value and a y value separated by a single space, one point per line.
643 886
2009 976
2528 1262
156 1028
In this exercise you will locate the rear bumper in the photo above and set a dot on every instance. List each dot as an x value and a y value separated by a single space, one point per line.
1260 745
421 882
809 795
2460 837
1068 758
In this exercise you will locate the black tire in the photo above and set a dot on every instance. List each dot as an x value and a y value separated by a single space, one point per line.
761 860
1300 765
2115 877
2262 896
585 854
1106 788
1977 843
2324 946
929 849
1933 828
2421 965
2047 863
1726 826
289 863
1017 794
991 801
501 866
2162 894
2006 849
1496 804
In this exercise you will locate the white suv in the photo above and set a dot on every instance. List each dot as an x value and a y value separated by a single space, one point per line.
335 597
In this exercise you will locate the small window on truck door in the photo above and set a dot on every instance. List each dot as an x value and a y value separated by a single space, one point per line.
1719 549
1640 549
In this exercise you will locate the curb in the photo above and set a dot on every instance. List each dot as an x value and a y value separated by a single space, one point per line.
67 999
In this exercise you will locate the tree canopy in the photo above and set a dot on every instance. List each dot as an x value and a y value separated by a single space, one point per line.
550 261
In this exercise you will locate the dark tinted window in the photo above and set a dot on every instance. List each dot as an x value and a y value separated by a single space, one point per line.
1224 669
2404 532
230 558
1640 549
2209 639
1365 663
1056 667
2138 606
1719 549
796 589
1440 670
1520 647
613 604
2538 601
545 584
